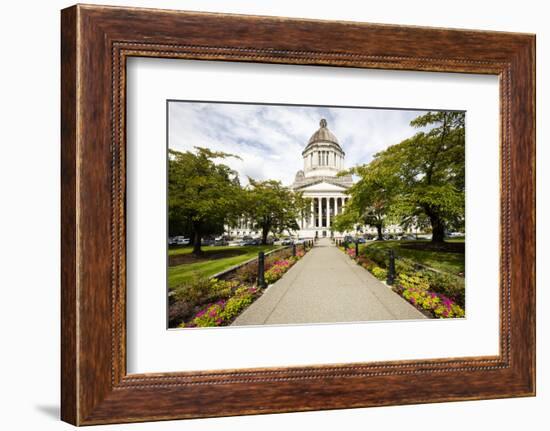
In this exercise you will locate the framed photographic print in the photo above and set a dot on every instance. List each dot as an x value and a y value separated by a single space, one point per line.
265 214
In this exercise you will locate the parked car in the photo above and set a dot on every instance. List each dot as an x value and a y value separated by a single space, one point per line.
360 240
181 240
407 237
255 241
349 238
455 234
299 241
286 241
239 243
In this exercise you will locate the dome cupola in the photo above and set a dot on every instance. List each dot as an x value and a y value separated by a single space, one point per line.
323 155
323 134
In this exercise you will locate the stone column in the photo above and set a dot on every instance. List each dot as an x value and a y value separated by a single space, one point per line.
320 212
311 216
328 211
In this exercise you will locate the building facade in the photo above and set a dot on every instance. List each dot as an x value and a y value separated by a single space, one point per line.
323 159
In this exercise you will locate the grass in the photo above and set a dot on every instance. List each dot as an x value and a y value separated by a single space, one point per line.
214 260
445 258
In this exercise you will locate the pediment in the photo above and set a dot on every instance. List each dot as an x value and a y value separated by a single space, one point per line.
322 186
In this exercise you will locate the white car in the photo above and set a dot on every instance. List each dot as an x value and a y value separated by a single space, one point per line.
180 240
236 244
456 234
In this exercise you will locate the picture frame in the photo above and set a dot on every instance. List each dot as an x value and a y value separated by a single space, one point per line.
96 41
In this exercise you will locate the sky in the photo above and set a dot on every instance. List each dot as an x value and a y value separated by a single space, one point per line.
270 138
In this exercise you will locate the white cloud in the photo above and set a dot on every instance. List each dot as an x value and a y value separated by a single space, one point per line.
269 139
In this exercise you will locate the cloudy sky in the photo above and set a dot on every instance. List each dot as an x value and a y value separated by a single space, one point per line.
271 138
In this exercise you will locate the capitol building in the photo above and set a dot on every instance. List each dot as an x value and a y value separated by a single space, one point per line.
319 181
323 159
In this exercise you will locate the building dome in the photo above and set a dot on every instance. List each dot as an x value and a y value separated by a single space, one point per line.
323 134
323 155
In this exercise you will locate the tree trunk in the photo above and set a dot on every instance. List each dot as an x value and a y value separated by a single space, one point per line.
438 228
265 232
197 251
379 230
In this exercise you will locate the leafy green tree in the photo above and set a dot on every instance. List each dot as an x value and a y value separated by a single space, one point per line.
427 172
273 207
202 195
371 199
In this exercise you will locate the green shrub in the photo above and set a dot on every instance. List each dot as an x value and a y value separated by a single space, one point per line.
403 266
413 281
222 288
447 284
380 257
243 298
201 290
379 273
247 273
178 311
193 291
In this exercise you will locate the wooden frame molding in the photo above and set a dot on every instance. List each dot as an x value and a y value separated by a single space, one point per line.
95 43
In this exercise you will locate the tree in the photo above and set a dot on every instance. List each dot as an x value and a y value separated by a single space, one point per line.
371 199
427 172
202 195
273 208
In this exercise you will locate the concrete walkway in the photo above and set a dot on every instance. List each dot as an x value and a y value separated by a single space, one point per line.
327 286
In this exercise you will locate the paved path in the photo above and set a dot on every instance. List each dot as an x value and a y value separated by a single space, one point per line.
327 286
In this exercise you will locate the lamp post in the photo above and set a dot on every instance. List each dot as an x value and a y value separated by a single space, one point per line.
261 269
391 268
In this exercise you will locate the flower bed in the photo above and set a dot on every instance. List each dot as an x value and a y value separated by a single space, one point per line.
437 295
212 302
223 311
416 290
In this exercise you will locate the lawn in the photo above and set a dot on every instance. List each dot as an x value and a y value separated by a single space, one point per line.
447 257
183 265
